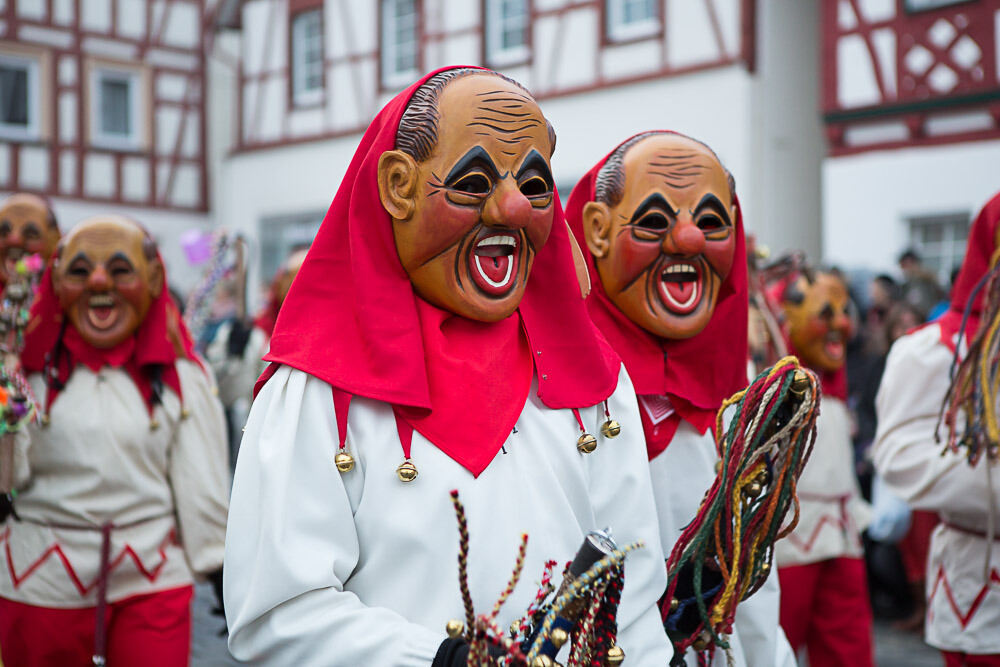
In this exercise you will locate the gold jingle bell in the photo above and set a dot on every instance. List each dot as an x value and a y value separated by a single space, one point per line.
154 424
542 661
407 472
674 604
185 413
344 461
46 420
454 628
800 382
586 443
616 655
558 637
702 642
611 428
765 568
753 489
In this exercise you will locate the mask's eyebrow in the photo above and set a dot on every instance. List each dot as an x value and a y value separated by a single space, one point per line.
654 200
712 202
537 162
122 257
477 156
81 256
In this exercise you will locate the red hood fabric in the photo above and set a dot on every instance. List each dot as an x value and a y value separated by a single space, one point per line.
695 374
978 259
52 345
353 320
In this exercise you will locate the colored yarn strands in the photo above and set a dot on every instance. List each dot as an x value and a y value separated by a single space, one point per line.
971 408
724 555
582 612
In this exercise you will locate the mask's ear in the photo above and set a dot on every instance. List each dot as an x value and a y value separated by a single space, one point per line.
397 184
155 278
597 227
580 264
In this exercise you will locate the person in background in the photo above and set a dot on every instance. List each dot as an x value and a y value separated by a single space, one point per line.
920 286
123 482
28 226
824 594
957 480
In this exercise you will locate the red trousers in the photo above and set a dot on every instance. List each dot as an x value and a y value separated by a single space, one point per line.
824 607
152 630
953 659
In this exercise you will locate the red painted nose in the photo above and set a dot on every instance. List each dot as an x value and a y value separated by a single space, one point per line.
684 239
99 279
507 207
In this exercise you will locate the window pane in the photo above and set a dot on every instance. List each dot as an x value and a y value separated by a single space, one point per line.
405 36
14 95
638 10
115 112
307 52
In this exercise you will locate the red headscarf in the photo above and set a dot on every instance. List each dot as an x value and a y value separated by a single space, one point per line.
160 340
351 319
696 374
978 256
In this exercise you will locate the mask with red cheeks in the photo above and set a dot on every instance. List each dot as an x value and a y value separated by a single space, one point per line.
288 273
469 219
106 276
664 249
27 227
818 321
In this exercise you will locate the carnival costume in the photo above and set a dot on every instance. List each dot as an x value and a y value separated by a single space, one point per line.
963 568
341 546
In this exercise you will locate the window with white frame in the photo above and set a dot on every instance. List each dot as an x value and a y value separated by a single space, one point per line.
940 241
307 57
631 19
400 42
506 31
116 108
19 97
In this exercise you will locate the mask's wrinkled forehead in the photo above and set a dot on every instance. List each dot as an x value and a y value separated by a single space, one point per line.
680 168
507 116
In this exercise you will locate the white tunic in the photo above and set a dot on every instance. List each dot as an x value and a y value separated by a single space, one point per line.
361 568
166 490
963 572
832 512
236 375
682 474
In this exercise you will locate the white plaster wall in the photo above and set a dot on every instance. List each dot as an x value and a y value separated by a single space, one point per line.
868 198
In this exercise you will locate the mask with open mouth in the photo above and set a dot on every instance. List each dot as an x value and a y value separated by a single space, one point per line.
106 276
471 212
818 321
27 227
661 232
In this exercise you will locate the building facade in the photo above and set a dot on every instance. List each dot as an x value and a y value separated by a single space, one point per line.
103 108
911 103
312 73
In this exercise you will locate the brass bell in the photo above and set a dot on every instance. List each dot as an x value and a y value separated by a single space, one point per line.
703 640
46 420
611 428
407 472
344 461
674 604
154 424
185 413
616 655
454 628
765 568
542 661
586 443
800 382
558 637
753 489
718 466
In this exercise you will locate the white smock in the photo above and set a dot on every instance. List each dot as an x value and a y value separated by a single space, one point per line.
236 375
682 474
165 491
963 571
832 512
324 568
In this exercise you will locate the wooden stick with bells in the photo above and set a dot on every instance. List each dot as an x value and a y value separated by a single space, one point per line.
581 613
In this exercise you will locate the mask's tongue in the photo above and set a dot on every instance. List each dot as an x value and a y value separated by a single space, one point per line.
681 292
495 268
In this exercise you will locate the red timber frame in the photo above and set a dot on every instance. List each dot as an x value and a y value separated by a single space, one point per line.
160 185
340 10
976 87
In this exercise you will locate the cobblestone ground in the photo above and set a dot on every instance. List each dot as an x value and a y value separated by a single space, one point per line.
208 649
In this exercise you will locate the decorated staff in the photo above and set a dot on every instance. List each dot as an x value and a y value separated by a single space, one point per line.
434 339
660 218
27 227
122 482
942 380
824 591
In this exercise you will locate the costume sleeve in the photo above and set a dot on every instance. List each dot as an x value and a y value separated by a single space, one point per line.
913 465
199 472
622 495
760 634
22 470
292 544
